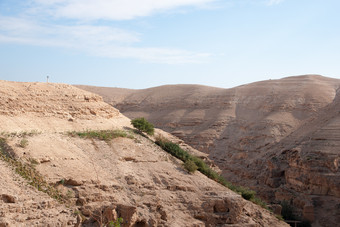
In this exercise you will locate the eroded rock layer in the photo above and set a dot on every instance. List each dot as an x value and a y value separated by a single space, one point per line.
99 181
279 137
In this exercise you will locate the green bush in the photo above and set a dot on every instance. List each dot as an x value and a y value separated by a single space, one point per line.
246 193
190 166
143 125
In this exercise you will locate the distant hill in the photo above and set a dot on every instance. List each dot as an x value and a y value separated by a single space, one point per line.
279 137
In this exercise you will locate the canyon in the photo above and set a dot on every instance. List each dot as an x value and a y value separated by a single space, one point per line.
51 176
277 137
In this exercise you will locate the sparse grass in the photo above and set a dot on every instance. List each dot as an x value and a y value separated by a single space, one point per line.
28 172
69 194
33 162
279 217
105 135
23 143
78 212
175 150
62 182
21 134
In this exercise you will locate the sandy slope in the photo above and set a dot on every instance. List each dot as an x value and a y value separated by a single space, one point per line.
246 129
129 178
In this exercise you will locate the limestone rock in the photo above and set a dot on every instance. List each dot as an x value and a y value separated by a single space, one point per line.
96 182
279 137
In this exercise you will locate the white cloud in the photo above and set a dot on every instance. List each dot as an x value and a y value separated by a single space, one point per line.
112 9
46 23
274 2
94 40
154 55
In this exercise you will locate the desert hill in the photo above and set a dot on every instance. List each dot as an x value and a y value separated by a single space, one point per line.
279 137
51 176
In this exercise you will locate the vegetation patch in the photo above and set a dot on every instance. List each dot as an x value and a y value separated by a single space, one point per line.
22 134
143 125
28 172
190 160
105 135
190 166
116 223
23 143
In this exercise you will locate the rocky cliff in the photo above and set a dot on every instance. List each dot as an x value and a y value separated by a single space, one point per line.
52 177
278 137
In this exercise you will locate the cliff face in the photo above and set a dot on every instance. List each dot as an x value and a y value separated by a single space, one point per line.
278 137
99 181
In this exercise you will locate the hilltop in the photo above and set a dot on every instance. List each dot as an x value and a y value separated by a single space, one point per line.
51 176
279 137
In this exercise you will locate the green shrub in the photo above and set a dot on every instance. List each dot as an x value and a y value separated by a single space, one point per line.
190 166
143 125
259 202
116 223
178 152
246 193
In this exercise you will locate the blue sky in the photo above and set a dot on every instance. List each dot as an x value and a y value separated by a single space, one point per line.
146 43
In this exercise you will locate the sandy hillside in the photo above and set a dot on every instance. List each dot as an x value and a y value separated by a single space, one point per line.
99 181
259 134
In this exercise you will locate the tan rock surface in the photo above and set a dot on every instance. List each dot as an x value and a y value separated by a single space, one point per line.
279 137
129 178
53 107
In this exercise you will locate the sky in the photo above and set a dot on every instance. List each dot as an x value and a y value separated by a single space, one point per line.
145 43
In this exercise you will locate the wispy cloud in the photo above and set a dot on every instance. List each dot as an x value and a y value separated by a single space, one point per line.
274 2
77 25
112 9
96 40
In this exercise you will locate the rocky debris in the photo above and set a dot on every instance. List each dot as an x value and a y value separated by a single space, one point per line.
279 137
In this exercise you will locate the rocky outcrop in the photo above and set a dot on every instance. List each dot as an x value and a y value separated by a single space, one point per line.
48 99
279 137
53 107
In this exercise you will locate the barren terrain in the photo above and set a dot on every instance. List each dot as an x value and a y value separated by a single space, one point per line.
99 181
279 137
